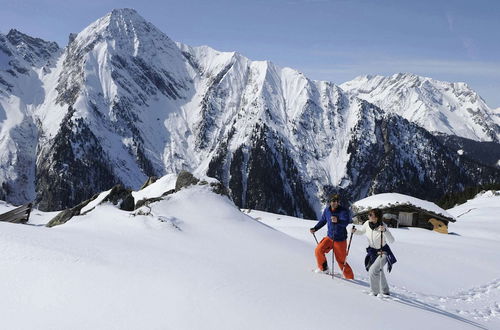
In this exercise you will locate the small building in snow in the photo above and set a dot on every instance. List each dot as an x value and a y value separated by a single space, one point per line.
404 211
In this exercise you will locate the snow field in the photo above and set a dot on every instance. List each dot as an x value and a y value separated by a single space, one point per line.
198 262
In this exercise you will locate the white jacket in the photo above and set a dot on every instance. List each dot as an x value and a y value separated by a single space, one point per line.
374 235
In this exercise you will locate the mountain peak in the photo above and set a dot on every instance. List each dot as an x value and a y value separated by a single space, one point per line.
18 38
118 20
407 75
127 28
125 12
125 17
35 51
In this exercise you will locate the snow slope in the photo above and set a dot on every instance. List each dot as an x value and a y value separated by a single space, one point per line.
456 273
197 262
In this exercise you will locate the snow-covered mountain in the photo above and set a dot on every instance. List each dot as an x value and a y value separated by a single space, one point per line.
24 62
453 112
438 106
123 102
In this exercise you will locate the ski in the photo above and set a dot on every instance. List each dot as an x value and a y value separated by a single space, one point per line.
382 297
337 275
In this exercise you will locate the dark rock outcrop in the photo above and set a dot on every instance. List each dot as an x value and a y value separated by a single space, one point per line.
147 201
185 179
66 215
121 197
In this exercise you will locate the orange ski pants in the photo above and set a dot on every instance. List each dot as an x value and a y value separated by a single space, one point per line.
340 251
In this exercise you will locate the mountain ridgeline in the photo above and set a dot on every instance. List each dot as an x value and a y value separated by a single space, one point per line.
123 102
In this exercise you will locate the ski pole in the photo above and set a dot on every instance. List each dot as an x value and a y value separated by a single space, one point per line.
333 254
333 246
315 238
348 248
381 255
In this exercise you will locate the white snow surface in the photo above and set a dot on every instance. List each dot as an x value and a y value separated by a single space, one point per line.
95 202
197 262
163 184
394 199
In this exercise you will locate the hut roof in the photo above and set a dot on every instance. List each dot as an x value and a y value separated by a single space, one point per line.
394 200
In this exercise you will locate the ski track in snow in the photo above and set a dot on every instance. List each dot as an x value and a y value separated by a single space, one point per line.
479 303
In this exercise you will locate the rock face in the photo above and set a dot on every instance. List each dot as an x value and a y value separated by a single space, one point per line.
263 175
430 173
72 167
122 197
185 179
123 102
486 153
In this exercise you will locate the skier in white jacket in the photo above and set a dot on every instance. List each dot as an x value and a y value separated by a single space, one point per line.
378 251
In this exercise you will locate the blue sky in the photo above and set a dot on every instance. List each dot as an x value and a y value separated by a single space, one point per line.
333 40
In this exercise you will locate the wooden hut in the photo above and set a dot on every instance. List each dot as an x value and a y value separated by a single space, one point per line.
404 211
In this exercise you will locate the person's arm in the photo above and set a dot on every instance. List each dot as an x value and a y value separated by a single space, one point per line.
387 235
361 230
320 224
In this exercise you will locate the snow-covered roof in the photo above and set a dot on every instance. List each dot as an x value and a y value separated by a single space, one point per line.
394 200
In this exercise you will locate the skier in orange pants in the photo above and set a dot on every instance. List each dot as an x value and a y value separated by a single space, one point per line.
337 218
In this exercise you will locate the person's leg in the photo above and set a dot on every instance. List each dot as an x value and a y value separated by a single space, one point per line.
384 286
324 246
340 250
377 281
